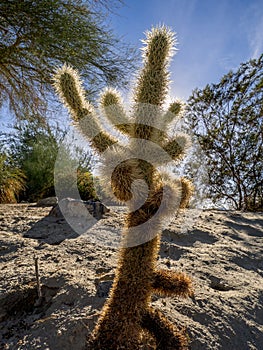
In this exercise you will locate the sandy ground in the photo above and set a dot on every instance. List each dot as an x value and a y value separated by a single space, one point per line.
220 250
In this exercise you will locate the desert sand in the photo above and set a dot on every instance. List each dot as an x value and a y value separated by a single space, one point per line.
221 250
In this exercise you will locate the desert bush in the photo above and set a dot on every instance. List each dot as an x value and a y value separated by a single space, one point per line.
12 181
33 146
85 185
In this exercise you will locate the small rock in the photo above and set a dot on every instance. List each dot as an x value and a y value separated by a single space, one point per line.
47 202
78 208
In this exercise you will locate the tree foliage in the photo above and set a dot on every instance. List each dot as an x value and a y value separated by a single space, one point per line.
37 36
227 119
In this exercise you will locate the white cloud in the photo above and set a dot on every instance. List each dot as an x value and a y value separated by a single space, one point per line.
252 24
256 39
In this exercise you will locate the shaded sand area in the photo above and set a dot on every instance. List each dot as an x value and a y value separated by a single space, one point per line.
222 251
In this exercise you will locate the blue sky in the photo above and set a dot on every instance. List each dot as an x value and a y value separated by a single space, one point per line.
213 36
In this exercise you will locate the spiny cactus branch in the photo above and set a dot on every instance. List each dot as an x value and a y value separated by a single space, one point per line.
171 283
69 87
153 80
168 336
112 107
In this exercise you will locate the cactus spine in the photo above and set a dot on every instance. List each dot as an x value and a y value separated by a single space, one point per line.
127 316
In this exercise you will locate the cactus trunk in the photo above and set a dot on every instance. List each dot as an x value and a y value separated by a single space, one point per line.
121 321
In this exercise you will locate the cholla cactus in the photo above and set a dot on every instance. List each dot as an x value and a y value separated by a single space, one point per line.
127 316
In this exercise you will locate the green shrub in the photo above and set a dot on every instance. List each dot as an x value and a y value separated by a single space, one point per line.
34 147
85 185
12 181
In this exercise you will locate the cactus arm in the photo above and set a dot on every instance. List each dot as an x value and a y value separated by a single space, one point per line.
122 178
170 283
167 335
153 80
177 147
187 191
175 111
69 87
101 141
112 107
